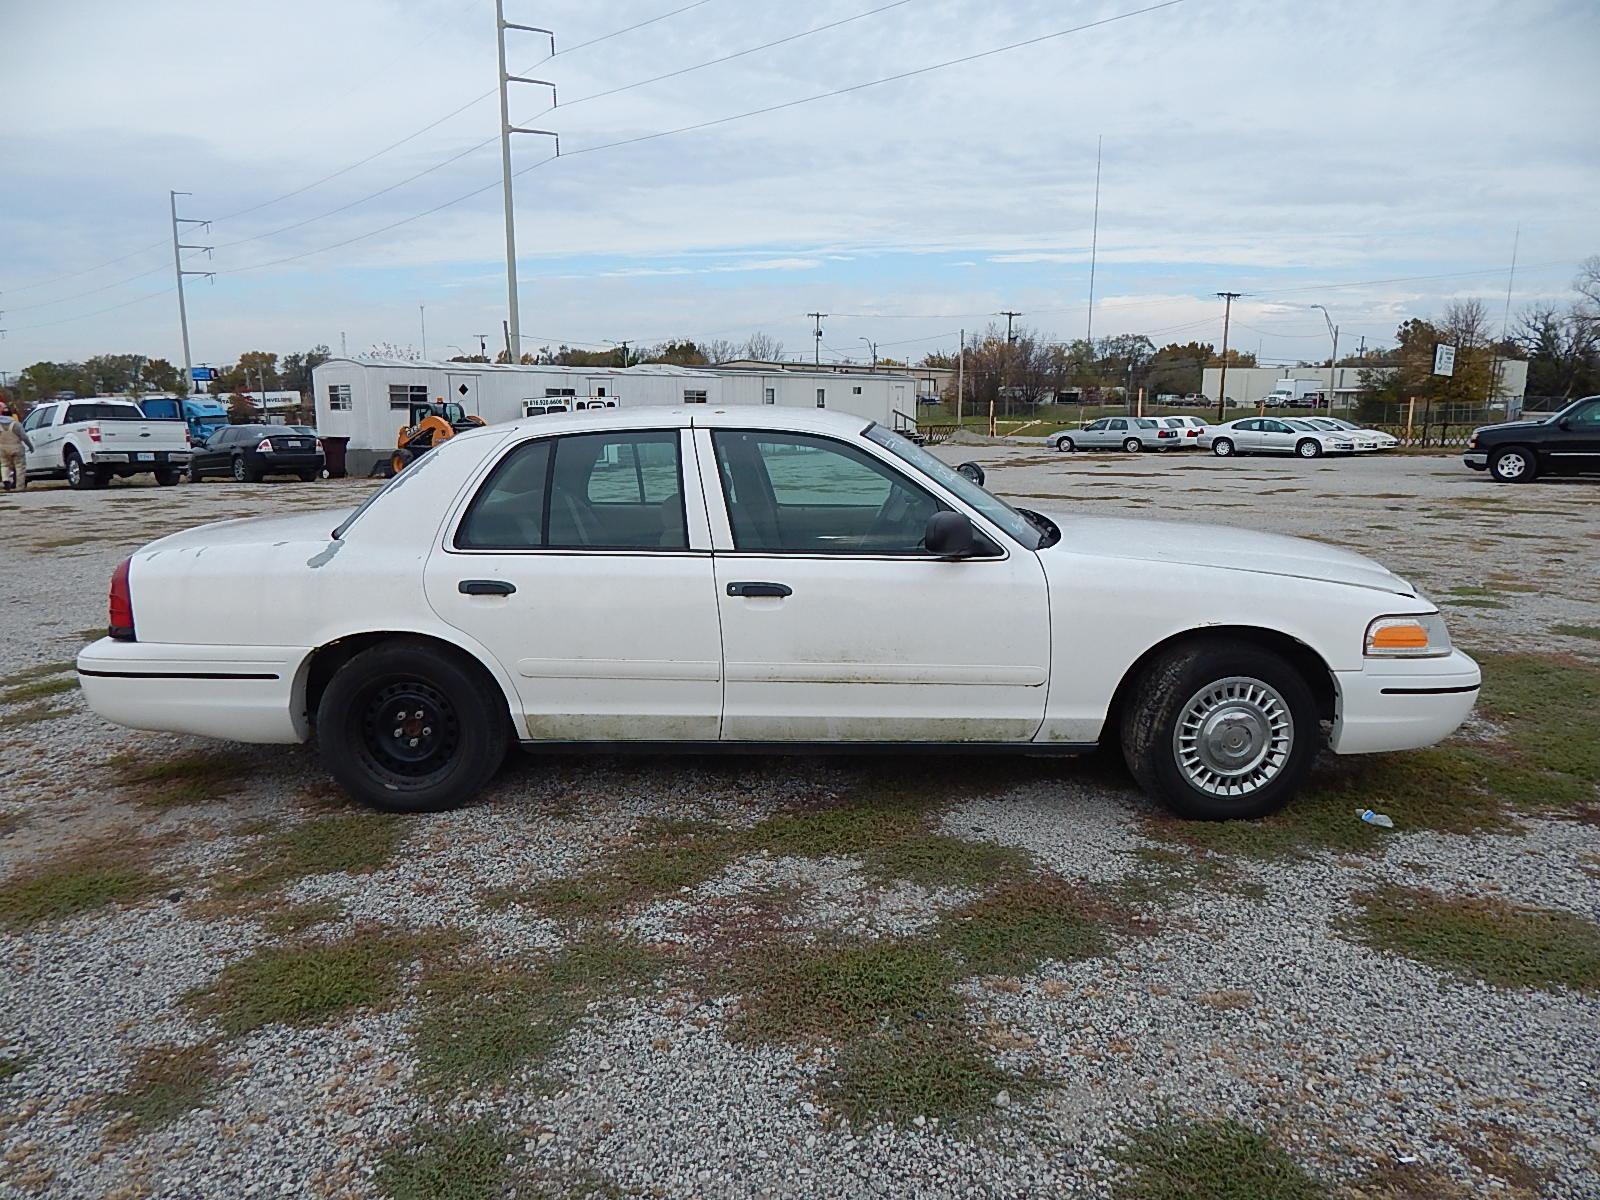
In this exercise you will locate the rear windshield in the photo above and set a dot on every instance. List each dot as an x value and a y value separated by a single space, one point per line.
103 412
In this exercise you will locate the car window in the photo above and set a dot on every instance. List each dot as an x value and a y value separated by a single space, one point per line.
1093 425
103 412
508 511
1275 427
792 493
1143 423
1246 426
39 416
1586 418
1119 423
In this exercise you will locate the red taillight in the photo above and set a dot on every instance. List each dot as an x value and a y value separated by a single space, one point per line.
318 445
120 624
1166 433
94 433
264 446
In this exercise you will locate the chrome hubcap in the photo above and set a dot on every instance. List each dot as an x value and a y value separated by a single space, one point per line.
1512 465
1233 737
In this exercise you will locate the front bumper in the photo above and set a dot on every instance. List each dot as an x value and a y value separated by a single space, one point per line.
1404 703
1478 460
244 693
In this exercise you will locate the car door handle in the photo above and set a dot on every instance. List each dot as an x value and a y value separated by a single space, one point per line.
760 589
485 587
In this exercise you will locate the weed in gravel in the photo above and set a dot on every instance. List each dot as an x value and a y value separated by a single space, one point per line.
1210 1160
165 1083
38 689
1579 631
44 671
482 1021
289 919
74 883
32 715
1481 937
668 856
351 842
310 982
92 634
10 1067
915 1070
1014 928
191 778
447 1162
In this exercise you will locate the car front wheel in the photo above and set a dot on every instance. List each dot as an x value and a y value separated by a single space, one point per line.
1220 731
1309 448
1066 445
1222 448
1132 445
1513 465
408 727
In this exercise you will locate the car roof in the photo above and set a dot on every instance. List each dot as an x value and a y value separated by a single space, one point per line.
738 416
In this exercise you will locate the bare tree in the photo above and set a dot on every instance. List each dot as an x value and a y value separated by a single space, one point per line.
1466 324
720 351
763 348
1587 285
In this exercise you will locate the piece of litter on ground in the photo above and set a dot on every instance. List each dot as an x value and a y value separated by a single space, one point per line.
1374 818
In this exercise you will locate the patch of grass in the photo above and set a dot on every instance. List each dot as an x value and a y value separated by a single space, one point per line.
166 1082
351 842
44 671
1591 632
92 634
916 1070
73 884
32 715
1480 937
10 1067
1210 1160
484 1021
38 689
447 1162
296 918
191 778
797 993
1472 602
1013 929
936 859
667 857
309 983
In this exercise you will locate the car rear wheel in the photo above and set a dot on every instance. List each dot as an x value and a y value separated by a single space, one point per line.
79 477
194 473
1066 445
1132 445
1513 465
1220 731
1308 448
243 472
167 478
408 727
1222 448
308 476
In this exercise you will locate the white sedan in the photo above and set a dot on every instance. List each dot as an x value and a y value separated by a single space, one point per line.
1364 437
1273 435
763 580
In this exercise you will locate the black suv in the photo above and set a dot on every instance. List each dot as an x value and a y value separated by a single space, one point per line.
1519 451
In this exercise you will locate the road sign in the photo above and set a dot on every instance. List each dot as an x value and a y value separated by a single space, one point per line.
202 374
1444 360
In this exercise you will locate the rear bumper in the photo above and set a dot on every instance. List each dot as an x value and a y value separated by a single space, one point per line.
145 459
287 460
1403 704
1478 460
244 693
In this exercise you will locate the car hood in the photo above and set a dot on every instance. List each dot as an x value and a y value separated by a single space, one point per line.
1223 548
311 527
1508 425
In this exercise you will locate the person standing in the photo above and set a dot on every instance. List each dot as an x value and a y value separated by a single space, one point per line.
14 444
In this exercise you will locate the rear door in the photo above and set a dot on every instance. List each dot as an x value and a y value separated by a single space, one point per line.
583 564
836 623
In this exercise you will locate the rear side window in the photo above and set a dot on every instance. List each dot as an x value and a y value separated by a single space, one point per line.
103 412
508 511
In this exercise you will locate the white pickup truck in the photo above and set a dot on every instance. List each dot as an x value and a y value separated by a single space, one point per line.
88 442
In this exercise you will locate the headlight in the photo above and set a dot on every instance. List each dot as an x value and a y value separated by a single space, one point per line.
1422 636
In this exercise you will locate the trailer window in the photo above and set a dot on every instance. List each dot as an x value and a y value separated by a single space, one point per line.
339 396
770 396
404 395
694 396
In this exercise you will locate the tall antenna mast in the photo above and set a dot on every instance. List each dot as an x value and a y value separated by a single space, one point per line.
1094 239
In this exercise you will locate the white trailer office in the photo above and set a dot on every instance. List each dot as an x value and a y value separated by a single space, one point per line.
365 401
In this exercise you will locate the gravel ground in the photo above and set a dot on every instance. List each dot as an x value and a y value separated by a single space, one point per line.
1230 993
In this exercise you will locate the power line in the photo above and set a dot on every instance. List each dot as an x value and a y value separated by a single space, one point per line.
98 311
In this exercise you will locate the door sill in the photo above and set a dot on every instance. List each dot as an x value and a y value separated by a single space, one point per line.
1044 749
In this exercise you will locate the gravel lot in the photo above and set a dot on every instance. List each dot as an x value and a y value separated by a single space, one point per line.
613 976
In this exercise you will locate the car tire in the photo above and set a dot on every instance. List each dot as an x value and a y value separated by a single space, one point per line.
308 476
431 762
1132 445
167 478
1513 465
243 472
1222 447
193 474
1066 445
79 477
1308 448
1220 731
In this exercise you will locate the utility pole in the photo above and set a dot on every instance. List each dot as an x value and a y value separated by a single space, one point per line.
514 325
1505 320
422 314
816 338
344 349
505 328
1005 375
1094 240
178 247
872 346
1333 362
1222 384
961 376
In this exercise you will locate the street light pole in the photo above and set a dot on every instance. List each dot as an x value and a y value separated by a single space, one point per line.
872 346
1222 384
1333 331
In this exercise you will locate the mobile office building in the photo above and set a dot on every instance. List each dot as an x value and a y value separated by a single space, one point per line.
362 403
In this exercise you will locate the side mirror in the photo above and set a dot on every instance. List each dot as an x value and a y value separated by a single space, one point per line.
1565 423
972 471
949 535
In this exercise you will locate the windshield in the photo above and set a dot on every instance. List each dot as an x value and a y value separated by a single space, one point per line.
207 408
990 505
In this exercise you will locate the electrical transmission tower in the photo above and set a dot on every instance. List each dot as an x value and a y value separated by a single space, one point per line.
178 247
514 328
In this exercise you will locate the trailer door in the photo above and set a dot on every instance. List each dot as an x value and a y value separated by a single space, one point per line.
463 390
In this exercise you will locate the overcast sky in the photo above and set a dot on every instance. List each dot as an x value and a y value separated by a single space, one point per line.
1284 150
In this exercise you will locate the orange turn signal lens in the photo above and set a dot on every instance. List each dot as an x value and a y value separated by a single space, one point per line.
1400 637
1420 636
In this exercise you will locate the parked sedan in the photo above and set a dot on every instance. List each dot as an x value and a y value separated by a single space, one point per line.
1272 435
248 453
1131 434
757 579
1364 438
1189 428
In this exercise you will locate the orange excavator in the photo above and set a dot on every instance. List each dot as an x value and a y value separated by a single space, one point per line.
430 425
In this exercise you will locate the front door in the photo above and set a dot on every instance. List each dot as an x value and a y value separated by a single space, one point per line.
1276 437
463 390
580 567
838 626
1574 444
46 454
